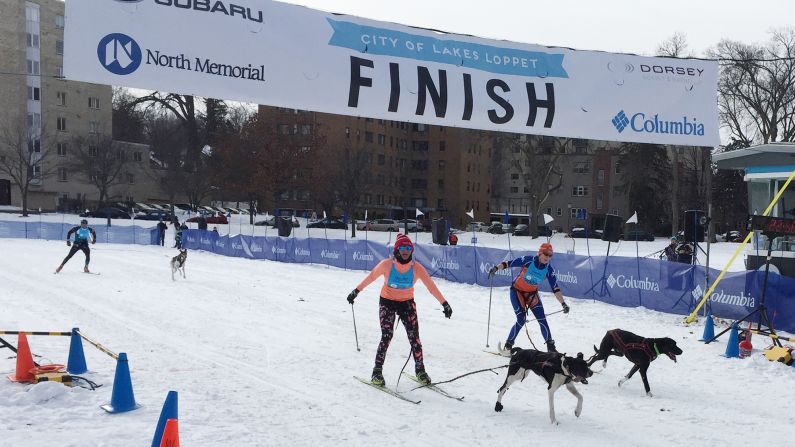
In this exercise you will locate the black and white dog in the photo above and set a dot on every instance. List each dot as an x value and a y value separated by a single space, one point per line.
178 263
638 350
557 369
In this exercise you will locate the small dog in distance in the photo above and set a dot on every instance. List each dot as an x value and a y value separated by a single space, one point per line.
178 263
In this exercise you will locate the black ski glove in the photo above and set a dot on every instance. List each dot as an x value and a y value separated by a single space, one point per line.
565 307
448 311
352 295
493 271
68 243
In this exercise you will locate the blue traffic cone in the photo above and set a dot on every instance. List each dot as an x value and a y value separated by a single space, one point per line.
77 360
169 411
709 328
733 346
122 398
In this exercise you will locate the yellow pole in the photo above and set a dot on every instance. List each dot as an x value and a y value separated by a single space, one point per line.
692 317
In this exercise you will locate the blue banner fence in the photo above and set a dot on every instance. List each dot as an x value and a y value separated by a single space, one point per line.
629 282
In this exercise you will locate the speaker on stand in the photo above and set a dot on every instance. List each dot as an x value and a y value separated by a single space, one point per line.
612 229
439 231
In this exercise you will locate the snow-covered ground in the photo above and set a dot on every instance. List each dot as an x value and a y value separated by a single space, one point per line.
263 353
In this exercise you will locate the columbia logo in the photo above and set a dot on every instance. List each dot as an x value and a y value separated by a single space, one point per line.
620 121
611 280
698 293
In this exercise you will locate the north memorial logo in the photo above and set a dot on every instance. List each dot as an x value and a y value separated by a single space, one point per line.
620 121
119 54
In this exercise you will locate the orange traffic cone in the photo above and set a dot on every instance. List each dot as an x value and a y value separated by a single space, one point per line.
170 434
24 361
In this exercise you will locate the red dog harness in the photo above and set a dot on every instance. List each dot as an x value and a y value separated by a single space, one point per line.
642 346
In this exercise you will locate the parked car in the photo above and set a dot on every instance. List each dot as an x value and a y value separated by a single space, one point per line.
383 225
637 234
211 219
500 228
155 215
329 222
477 226
412 224
524 230
114 213
271 222
582 232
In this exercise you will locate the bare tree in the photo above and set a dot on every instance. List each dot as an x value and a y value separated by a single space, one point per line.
539 162
756 88
26 157
674 46
100 161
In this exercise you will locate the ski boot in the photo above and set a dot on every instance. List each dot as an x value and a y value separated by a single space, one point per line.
423 377
85 270
551 346
378 377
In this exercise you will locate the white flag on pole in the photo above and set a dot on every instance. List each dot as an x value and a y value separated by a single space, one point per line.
419 213
365 215
324 214
471 213
548 219
633 219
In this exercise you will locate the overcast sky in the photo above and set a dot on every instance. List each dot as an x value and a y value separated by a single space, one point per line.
623 26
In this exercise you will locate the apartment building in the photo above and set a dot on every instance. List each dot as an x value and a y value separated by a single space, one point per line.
589 185
442 171
54 115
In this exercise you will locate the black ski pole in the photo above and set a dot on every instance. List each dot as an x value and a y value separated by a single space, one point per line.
488 323
355 333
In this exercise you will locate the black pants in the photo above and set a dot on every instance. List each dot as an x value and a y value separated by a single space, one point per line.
407 312
162 238
81 246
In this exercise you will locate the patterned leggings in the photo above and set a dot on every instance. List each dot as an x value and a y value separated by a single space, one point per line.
407 312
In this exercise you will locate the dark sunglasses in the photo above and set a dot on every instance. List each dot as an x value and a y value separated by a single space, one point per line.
406 248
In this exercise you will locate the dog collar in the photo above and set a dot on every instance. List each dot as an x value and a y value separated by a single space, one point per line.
656 351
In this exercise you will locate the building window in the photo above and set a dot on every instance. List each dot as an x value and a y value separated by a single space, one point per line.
514 176
93 102
618 168
347 132
59 21
93 127
578 213
368 137
131 179
442 164
59 71
381 159
34 121
62 149
382 139
579 191
33 67
306 129
514 189
559 212
440 184
442 146
62 175
600 201
37 170
92 150
582 167
32 13
34 145
61 98
34 93
33 40
137 156
600 177
59 47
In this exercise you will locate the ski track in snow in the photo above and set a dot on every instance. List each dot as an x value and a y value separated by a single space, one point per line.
263 353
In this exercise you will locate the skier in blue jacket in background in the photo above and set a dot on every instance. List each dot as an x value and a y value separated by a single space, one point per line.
83 234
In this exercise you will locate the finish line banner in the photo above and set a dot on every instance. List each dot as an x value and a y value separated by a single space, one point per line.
291 56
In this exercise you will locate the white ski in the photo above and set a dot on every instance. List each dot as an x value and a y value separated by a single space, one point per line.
389 391
434 388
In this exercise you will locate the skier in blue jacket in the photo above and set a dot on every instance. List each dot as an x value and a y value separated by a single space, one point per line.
83 234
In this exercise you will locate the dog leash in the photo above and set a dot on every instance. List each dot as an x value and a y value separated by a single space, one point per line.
462 376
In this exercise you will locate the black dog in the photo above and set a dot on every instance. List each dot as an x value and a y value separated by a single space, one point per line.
557 369
638 350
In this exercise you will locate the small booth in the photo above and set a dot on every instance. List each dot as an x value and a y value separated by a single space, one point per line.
767 167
